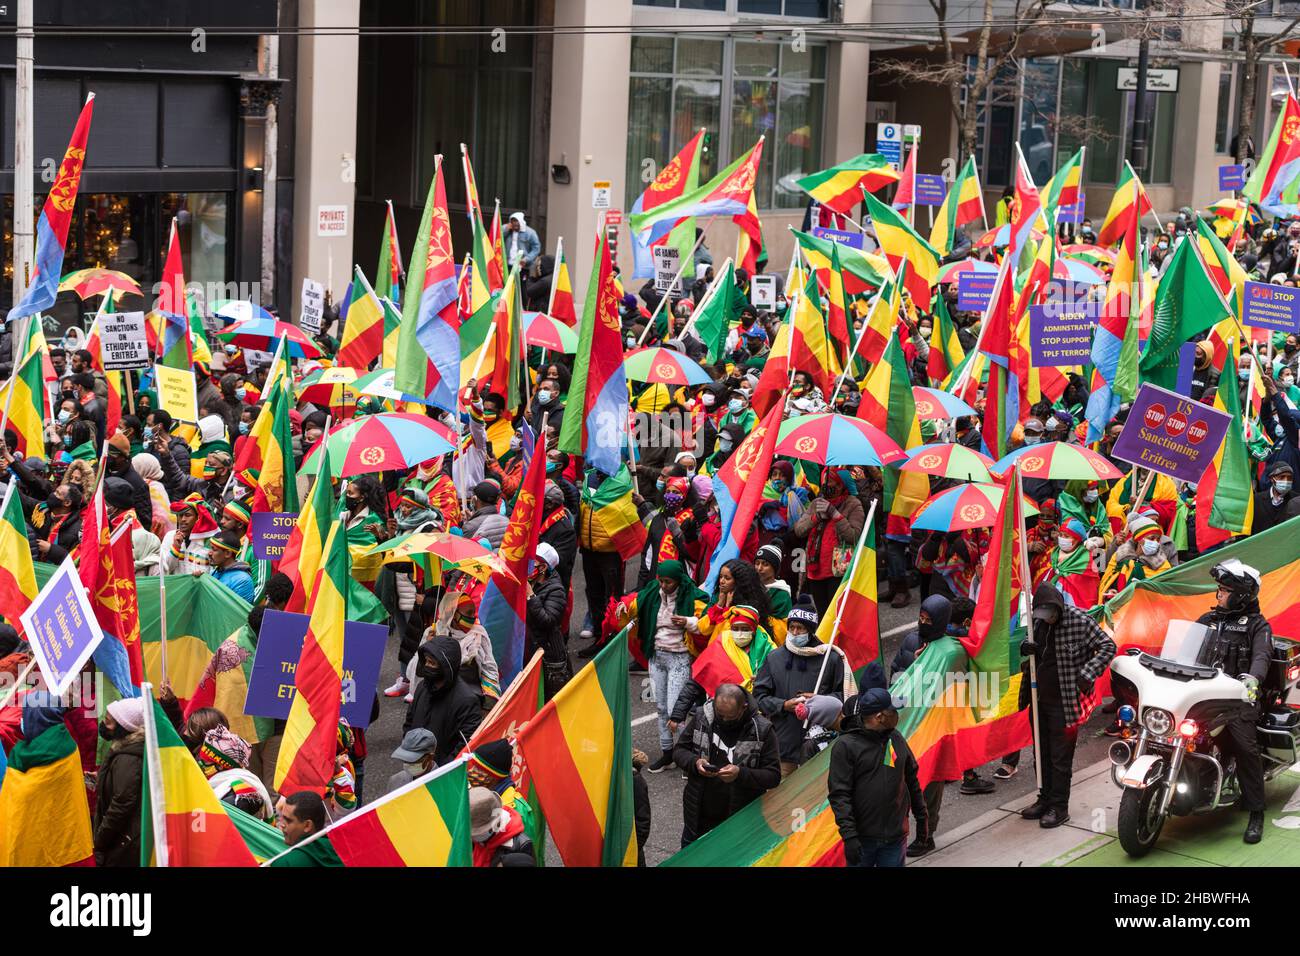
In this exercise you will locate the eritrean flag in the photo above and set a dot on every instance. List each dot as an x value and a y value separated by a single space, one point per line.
171 305
678 177
595 423
579 752
17 576
840 187
738 488
175 797
899 242
389 273
424 823
52 228
503 611
428 347
307 753
1275 181
1026 210
963 203
106 564
726 194
306 545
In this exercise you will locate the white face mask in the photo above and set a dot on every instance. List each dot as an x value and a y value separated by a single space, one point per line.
708 399
1150 547
1066 544
1091 497
742 638
414 769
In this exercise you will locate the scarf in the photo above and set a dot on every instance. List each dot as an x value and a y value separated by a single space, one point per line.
850 686
649 597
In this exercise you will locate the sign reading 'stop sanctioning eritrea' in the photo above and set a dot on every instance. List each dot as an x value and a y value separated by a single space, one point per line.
1171 434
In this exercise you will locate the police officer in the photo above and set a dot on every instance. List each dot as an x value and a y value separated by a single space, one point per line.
1240 641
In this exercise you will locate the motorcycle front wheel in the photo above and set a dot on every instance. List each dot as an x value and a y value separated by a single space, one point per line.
1140 819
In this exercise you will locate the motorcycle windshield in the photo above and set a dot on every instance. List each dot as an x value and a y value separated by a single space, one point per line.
1183 641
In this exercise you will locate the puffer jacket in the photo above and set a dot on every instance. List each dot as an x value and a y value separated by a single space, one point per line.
546 606
753 749
487 523
117 805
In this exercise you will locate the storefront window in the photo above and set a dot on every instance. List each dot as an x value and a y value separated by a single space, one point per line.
1038 113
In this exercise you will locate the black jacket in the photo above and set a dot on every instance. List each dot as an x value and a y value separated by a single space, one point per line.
179 484
563 537
784 675
451 712
63 543
1241 641
117 804
546 606
1266 513
641 805
870 794
658 524
755 752
140 498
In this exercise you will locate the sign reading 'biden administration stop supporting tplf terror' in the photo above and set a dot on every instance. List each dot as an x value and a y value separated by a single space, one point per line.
1171 434
60 625
1061 334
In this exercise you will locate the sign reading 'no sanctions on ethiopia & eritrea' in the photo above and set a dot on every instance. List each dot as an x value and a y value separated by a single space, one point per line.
1171 434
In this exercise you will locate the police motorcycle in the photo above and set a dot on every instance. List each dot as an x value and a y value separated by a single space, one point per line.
1166 760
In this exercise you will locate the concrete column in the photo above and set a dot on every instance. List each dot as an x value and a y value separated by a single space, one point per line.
325 132
589 98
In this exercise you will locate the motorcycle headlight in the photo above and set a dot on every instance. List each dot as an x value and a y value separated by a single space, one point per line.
1159 722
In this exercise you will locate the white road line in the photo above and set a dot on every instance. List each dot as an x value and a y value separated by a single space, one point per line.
644 720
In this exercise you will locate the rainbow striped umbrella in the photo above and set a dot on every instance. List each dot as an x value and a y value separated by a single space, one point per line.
548 332
665 367
380 384
964 507
1058 460
1086 252
949 460
935 403
448 550
828 438
952 270
1073 270
264 335
387 441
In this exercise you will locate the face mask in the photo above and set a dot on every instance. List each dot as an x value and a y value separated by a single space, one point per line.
490 416
243 428
659 485
1091 497
353 503
1150 547
724 444
230 350
735 406
690 472
708 399
1065 544
1281 487
925 333
1287 381
1243 373
209 472
1032 438
1278 431
796 640
742 638
631 341
673 501
778 484
116 734
54 504
67 441
414 769
241 393
544 397
552 467
147 434
515 443
65 417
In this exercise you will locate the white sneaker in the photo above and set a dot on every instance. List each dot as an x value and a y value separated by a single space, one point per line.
585 634
400 687
409 698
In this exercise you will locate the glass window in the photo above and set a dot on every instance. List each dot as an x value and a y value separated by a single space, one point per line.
1073 112
1106 114
699 58
798 141
649 124
201 225
814 9
759 60
652 55
1038 117
1162 138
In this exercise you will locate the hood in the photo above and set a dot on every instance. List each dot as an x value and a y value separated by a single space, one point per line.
940 610
1045 596
446 651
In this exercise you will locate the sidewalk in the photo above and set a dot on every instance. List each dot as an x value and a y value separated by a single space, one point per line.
1002 838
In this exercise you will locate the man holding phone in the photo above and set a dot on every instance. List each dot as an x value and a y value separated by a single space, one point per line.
728 751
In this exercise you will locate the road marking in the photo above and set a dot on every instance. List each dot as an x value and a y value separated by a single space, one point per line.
898 630
644 720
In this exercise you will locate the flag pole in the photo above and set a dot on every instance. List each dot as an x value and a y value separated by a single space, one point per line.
676 281
708 297
162 608
1026 592
844 599
853 353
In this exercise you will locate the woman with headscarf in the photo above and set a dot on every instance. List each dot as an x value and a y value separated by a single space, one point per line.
223 757
663 609
736 651
147 467
831 527
1072 568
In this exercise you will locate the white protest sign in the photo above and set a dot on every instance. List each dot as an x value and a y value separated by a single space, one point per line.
762 291
667 259
122 341
313 306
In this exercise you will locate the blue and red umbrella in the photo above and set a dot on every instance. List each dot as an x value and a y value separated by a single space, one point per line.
967 506
388 441
935 403
264 335
828 438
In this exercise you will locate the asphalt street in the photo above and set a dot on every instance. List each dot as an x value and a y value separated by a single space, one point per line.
666 787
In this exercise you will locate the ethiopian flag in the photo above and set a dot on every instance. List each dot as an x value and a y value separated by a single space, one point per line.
44 819
1225 504
363 332
1125 206
579 751
24 396
899 242
840 187
854 607
17 576
307 753
424 823
266 457
176 796
302 553
607 516
888 403
946 353
561 305
862 272
963 203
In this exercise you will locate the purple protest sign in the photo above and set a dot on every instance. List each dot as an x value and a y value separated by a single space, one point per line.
929 190
61 628
1272 307
1186 367
1171 434
974 289
279 645
842 236
269 533
1061 334
1231 177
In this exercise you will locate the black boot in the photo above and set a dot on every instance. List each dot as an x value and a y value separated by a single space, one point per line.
1036 810
919 847
1053 818
1255 828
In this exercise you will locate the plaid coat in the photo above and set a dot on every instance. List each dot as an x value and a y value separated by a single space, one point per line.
1083 650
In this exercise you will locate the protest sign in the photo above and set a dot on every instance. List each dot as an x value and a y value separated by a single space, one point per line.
929 190
269 533
1273 307
313 306
666 259
1171 434
974 289
176 393
279 645
60 625
122 341
762 291
1061 334
842 236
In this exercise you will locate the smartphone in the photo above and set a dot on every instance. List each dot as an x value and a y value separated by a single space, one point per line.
711 768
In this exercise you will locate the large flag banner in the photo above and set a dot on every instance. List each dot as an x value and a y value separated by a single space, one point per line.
44 820
1275 181
681 175
738 488
52 227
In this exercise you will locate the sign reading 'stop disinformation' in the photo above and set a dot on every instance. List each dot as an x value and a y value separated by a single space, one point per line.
1273 307
1171 434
